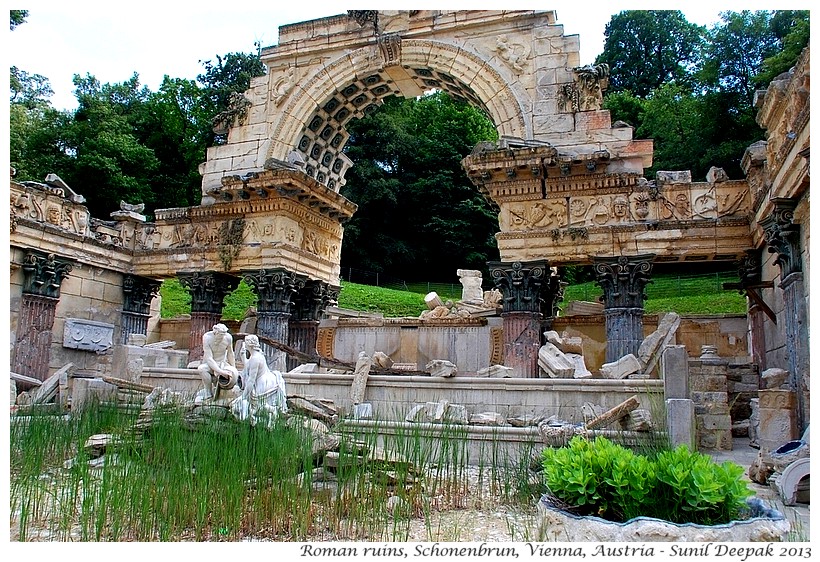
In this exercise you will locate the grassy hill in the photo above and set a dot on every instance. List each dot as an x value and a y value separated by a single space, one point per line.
695 295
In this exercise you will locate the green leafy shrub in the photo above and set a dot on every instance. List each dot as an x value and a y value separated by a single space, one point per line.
598 477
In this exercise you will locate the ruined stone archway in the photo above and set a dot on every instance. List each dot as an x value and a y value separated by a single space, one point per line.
354 85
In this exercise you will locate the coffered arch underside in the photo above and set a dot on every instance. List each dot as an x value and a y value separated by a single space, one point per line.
314 119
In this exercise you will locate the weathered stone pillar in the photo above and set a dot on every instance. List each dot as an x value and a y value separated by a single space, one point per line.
783 238
207 290
276 289
521 284
307 308
623 280
138 293
43 276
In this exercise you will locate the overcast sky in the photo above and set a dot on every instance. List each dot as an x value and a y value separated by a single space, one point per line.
113 40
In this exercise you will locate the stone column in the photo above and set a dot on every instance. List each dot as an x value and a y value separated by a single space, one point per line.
623 280
276 289
43 276
521 284
751 275
307 308
783 238
207 290
138 293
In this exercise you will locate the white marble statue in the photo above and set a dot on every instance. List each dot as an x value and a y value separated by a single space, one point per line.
218 367
263 390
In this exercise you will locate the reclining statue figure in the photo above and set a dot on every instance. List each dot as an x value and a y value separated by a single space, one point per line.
263 390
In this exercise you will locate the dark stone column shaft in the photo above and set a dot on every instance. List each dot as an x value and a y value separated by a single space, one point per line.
522 285
138 293
275 289
623 281
797 343
32 350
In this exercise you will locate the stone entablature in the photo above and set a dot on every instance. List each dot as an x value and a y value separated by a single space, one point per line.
275 218
567 208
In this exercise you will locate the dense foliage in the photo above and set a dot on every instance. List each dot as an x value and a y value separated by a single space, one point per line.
419 216
598 477
690 89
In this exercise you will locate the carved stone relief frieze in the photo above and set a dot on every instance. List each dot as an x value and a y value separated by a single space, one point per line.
546 213
586 92
283 85
674 205
88 335
515 55
600 210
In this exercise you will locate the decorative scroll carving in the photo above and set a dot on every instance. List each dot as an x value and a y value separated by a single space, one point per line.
283 86
783 236
88 335
324 342
208 290
314 297
749 269
586 93
624 280
237 112
390 48
44 274
362 17
520 283
513 54
496 345
139 292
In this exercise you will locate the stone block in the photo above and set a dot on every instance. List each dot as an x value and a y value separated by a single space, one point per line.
87 335
774 378
382 360
777 424
710 383
676 177
306 368
581 371
554 363
652 346
488 418
495 371
363 411
680 422
592 120
87 391
711 422
441 368
360 376
621 368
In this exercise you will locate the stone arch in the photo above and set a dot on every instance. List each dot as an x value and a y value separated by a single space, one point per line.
320 105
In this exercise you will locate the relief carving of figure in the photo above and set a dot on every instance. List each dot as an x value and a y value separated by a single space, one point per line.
679 209
514 54
586 93
620 209
237 111
283 86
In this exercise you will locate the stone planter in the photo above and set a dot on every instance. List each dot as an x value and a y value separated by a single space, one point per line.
763 525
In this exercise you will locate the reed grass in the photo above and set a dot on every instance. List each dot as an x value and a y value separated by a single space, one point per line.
221 480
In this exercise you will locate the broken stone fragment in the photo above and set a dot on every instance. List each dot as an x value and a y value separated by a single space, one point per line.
581 371
360 375
441 368
774 377
621 368
382 360
495 371
488 418
654 344
554 363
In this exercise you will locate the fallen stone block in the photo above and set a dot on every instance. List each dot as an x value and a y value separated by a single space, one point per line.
581 371
495 371
639 419
306 368
554 363
488 418
441 368
360 376
621 368
363 411
572 345
614 414
653 345
382 360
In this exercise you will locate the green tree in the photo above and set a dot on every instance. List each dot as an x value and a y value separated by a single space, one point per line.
647 48
419 216
17 17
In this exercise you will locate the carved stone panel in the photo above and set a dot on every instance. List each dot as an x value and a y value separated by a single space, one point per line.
88 335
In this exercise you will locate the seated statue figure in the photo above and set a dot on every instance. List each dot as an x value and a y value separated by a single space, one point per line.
218 367
263 390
